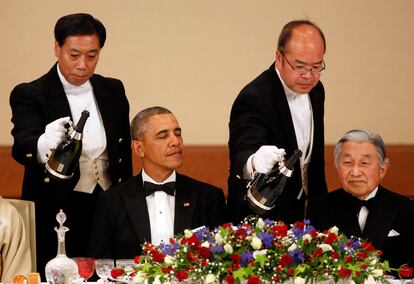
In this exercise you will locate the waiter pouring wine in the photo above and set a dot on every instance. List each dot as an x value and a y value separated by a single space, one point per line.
40 111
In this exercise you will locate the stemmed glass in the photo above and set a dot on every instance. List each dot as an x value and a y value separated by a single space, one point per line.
86 266
126 264
104 267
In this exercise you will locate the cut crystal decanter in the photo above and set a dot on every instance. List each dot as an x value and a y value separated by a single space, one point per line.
61 269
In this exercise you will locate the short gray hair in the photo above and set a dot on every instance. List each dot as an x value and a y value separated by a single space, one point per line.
361 135
139 122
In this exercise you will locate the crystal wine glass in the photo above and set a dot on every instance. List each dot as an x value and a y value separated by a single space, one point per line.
126 264
103 268
86 266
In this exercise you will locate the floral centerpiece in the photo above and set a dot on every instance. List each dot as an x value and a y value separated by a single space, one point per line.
259 251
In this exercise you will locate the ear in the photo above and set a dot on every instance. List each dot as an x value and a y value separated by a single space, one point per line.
278 59
138 148
383 170
57 49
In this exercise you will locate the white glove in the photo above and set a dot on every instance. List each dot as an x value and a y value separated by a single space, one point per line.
55 131
266 157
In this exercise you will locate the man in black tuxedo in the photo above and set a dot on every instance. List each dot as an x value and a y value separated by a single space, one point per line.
158 202
362 207
40 111
280 111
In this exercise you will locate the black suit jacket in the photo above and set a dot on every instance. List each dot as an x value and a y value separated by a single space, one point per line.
261 116
390 211
122 222
36 104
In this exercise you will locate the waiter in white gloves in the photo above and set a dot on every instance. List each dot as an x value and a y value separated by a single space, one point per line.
278 112
41 109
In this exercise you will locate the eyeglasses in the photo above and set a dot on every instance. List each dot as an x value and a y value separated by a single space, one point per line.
301 69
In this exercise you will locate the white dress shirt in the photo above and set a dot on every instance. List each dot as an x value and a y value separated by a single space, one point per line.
94 162
301 111
161 208
363 213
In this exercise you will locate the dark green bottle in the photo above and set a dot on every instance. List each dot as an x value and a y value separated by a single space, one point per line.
65 158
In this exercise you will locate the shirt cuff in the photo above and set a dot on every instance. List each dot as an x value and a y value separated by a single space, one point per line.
248 172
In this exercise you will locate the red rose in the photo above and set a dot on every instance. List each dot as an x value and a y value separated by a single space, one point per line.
291 271
158 257
192 257
344 272
190 267
362 255
334 255
241 233
348 258
317 253
279 231
253 280
205 252
181 275
405 271
300 225
116 272
226 225
194 242
276 279
364 266
235 258
137 259
235 266
285 260
230 279
367 246
204 263
330 239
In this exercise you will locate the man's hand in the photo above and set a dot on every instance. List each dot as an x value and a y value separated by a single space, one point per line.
55 131
266 157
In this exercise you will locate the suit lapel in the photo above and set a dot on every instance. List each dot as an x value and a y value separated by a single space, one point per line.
282 108
136 206
57 96
346 217
185 204
380 219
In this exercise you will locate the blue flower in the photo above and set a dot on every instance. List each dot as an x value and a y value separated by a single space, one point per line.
297 256
266 239
246 257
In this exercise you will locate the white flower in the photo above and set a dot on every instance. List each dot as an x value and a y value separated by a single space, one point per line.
292 247
370 280
188 233
228 248
334 230
205 244
299 280
169 259
219 238
256 253
260 223
307 237
139 277
325 247
377 272
256 243
210 278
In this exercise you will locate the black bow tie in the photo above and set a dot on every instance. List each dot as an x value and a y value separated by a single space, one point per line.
367 203
150 188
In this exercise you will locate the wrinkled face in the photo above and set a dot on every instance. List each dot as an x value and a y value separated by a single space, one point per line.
78 57
161 145
359 169
304 49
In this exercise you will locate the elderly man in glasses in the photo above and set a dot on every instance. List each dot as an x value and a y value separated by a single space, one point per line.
280 111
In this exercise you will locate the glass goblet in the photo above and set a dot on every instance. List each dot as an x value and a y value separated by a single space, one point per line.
103 268
126 264
86 267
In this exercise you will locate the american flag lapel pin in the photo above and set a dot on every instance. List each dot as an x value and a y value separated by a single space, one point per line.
186 204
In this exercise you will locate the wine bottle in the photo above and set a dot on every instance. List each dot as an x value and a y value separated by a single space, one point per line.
264 189
65 158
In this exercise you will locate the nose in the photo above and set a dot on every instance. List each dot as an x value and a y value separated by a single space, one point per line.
355 170
81 63
175 140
